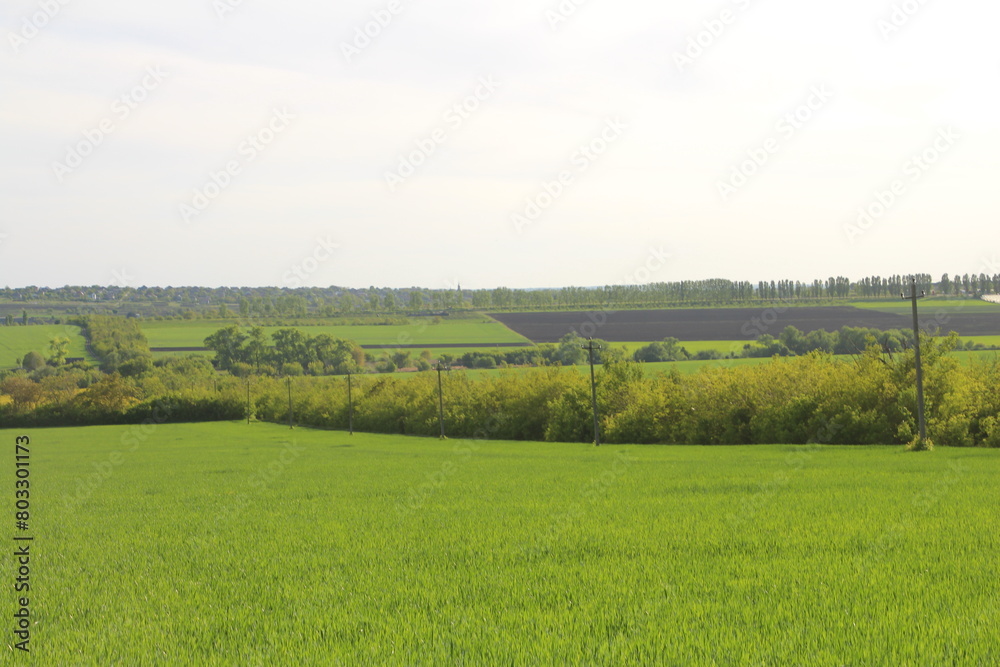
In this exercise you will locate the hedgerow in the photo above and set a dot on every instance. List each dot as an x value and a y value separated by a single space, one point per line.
796 400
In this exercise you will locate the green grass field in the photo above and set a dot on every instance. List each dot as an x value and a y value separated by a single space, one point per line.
16 341
233 544
983 340
421 331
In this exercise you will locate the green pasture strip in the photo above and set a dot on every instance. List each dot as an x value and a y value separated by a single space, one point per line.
17 341
930 306
225 543
982 340
692 346
420 331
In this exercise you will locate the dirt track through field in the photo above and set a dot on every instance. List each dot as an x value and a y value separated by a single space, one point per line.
729 323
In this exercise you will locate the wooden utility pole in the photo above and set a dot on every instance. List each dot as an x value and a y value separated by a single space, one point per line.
922 425
350 405
440 368
590 347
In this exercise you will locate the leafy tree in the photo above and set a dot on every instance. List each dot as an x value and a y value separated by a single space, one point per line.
793 339
669 349
338 355
821 340
390 301
292 369
608 354
113 394
241 369
58 350
851 340
569 350
654 352
291 345
25 394
257 348
60 388
135 366
33 361
228 345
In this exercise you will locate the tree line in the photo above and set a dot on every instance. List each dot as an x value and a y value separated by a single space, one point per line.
270 302
287 351
117 342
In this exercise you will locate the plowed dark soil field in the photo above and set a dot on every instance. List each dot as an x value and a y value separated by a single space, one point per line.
726 323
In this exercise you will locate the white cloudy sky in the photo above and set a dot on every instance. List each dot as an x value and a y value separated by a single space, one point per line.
116 214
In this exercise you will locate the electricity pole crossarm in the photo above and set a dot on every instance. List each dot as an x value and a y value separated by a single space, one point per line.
590 347
922 425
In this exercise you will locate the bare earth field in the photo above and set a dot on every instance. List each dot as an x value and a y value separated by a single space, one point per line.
729 323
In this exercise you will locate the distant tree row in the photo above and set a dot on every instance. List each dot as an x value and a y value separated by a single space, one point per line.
269 302
569 351
793 342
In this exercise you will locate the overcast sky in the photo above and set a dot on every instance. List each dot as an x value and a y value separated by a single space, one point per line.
527 143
